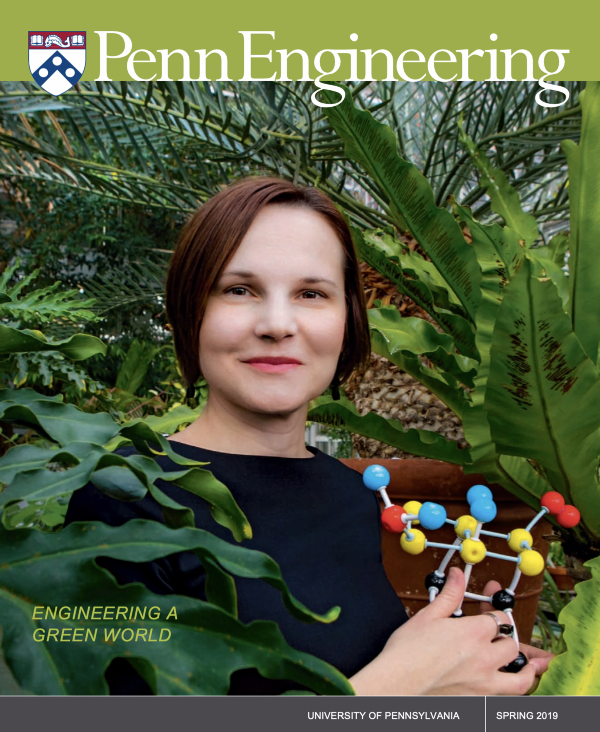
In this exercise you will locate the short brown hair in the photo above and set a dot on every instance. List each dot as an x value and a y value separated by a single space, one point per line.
212 236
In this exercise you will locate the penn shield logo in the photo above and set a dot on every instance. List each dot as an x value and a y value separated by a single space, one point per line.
56 59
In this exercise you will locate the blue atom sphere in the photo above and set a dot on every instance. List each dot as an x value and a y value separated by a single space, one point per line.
477 492
376 477
432 515
484 510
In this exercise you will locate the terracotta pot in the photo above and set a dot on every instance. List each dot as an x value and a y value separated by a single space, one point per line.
561 578
433 480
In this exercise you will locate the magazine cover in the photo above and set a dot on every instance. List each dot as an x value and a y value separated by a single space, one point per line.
299 347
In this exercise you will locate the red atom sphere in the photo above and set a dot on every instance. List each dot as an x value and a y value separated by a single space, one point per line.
391 519
569 517
554 502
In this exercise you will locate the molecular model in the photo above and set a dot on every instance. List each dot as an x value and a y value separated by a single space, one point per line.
472 550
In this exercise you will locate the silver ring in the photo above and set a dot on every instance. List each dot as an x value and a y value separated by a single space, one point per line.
503 630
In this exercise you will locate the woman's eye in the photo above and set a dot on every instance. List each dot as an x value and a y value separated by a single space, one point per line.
308 294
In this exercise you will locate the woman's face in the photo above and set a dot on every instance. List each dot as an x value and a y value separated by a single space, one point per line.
281 296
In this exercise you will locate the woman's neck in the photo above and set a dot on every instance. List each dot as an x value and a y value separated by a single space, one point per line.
247 434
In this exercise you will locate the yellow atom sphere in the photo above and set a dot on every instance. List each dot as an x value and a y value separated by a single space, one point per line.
413 507
517 537
531 563
472 551
413 541
465 523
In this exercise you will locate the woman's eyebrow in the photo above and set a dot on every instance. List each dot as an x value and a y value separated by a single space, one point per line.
250 275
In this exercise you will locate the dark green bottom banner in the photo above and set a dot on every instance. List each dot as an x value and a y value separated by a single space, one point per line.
302 714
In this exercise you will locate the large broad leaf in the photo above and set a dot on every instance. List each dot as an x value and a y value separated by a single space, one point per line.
548 267
63 423
520 477
137 362
584 200
543 393
69 426
505 199
77 347
171 420
374 146
343 413
412 276
413 264
418 337
31 474
388 340
205 646
498 254
577 672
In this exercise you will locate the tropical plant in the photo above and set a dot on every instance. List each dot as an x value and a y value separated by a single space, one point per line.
169 144
515 350
163 146
44 567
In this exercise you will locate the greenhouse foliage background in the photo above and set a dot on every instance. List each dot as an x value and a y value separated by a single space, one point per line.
96 184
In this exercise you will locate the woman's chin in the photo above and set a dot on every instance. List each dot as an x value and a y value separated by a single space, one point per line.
278 404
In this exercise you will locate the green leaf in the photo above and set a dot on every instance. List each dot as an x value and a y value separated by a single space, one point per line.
23 457
414 266
558 247
520 477
119 482
26 396
205 646
77 347
43 305
124 478
170 421
584 201
344 414
223 508
498 255
374 146
543 394
201 482
417 337
577 672
547 267
63 423
407 272
137 362
151 443
220 587
505 199
41 484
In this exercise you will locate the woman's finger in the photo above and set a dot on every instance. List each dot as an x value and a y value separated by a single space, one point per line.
448 600
514 684
537 657
491 587
494 627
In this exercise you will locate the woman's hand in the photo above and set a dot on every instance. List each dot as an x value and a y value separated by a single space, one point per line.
538 658
434 653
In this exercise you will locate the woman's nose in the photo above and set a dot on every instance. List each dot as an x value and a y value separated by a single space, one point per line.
276 319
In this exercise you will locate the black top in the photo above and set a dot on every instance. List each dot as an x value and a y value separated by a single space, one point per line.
313 516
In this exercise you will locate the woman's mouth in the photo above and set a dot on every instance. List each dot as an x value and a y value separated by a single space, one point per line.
272 368
273 364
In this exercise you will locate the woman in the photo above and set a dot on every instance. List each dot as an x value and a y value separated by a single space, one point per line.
265 300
